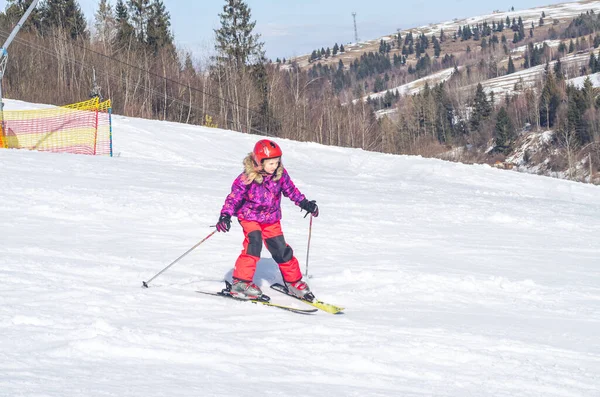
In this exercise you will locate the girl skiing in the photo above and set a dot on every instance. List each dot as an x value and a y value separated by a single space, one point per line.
255 199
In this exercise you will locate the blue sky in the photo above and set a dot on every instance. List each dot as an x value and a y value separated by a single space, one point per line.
296 27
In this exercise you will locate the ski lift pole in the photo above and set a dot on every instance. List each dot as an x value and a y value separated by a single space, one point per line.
308 245
145 283
4 58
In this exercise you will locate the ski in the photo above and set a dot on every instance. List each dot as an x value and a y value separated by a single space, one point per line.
264 301
329 308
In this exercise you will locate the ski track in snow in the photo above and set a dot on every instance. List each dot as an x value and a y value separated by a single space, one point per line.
458 280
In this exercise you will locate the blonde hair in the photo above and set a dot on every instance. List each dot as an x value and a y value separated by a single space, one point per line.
252 172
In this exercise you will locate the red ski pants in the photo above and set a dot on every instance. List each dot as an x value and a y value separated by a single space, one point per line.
254 235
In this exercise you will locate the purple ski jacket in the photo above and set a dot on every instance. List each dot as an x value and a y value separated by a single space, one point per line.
256 197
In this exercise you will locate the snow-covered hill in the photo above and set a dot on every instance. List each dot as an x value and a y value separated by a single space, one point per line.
562 13
458 280
567 10
500 86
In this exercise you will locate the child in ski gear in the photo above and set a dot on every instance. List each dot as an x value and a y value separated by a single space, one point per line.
255 199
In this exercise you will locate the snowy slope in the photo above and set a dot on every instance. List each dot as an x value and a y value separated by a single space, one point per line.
458 280
566 10
578 81
525 78
414 87
500 85
561 12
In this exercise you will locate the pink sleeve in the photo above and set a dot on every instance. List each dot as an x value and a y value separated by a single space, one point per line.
236 197
289 189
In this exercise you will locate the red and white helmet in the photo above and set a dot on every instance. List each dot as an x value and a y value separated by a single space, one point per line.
265 149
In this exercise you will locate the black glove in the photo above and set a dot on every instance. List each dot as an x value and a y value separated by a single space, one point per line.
310 207
224 223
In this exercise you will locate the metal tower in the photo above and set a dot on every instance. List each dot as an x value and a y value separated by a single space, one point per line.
355 30
4 58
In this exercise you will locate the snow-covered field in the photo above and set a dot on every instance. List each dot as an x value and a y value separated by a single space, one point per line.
458 280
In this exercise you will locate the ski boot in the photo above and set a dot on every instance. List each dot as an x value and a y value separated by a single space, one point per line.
300 290
244 290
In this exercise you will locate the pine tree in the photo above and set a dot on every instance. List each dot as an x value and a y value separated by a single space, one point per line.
388 99
437 49
592 63
65 14
336 48
511 66
16 8
379 84
235 40
139 12
125 31
342 48
550 99
504 131
589 93
558 72
481 108
158 34
418 50
562 48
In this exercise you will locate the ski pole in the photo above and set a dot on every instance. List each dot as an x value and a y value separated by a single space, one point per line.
308 245
145 283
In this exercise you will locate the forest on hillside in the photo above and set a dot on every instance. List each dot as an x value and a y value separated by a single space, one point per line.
129 55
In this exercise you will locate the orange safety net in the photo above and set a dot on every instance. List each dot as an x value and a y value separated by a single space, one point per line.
82 128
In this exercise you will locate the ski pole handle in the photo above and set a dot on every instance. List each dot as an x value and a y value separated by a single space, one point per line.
145 283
